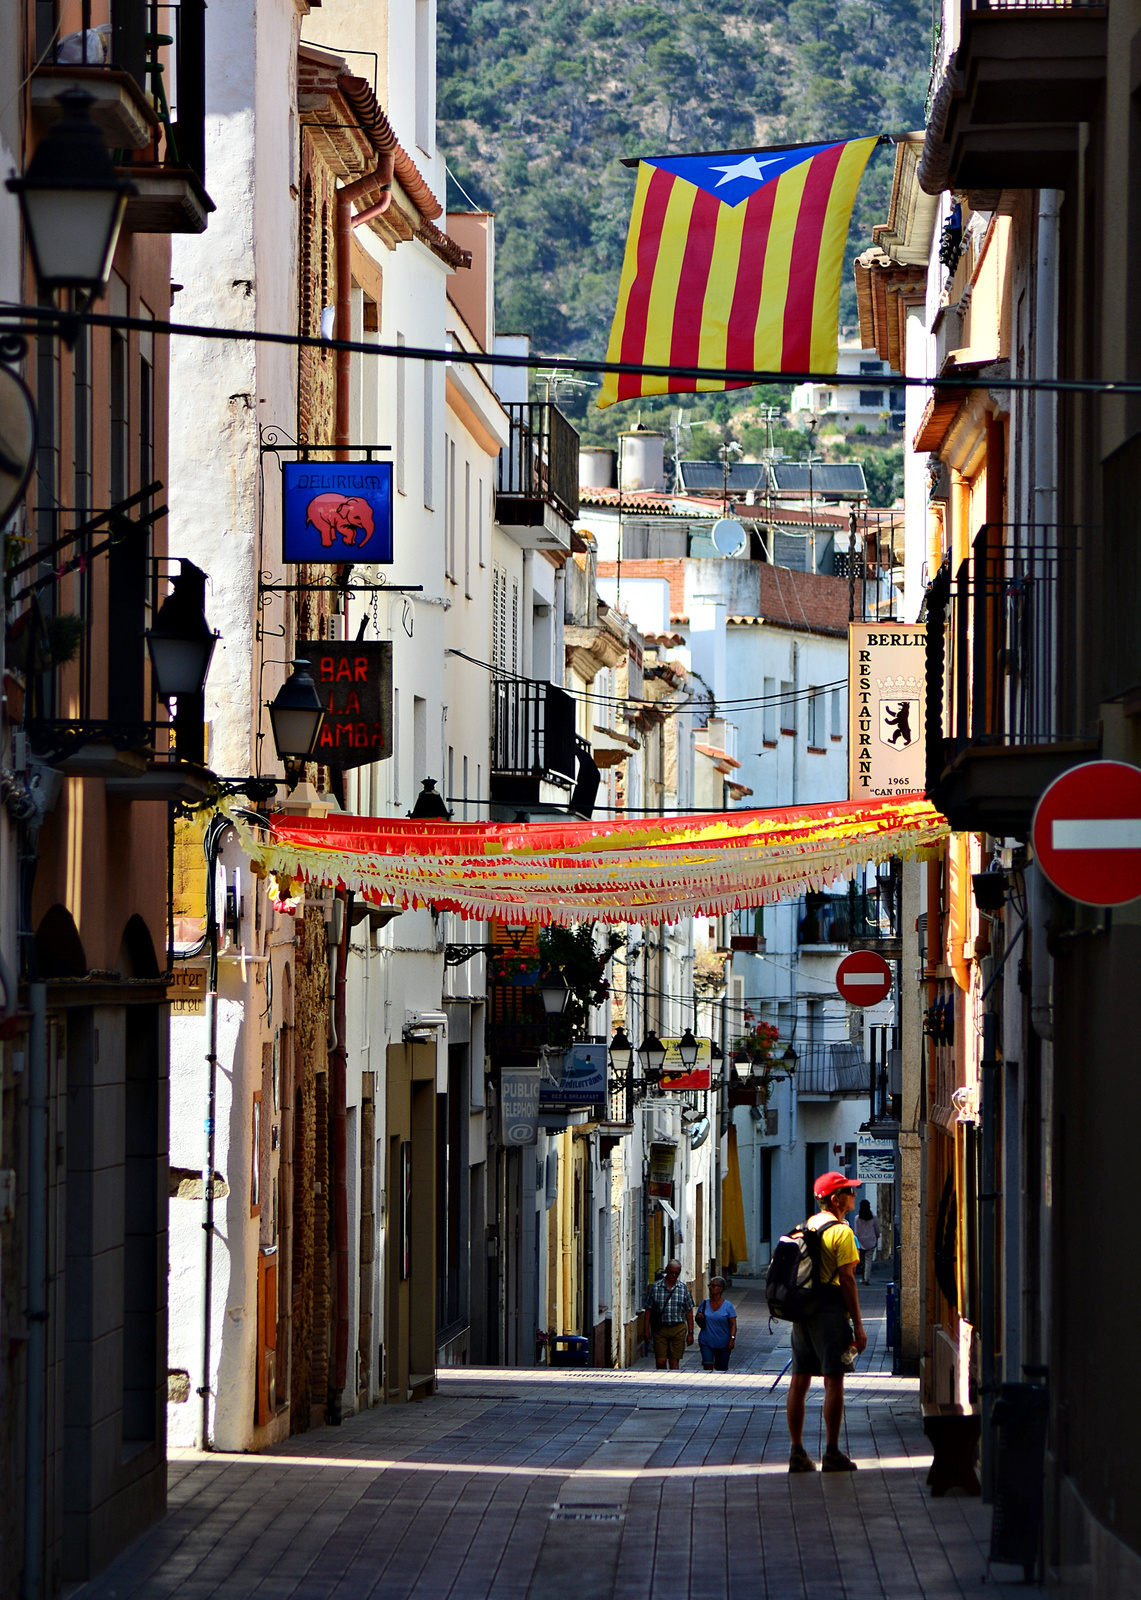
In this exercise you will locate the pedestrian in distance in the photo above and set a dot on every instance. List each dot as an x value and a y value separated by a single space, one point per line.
717 1320
825 1344
867 1230
668 1318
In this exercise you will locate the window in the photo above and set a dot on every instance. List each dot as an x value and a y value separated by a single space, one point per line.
479 498
450 494
498 618
401 416
787 708
871 397
47 437
425 76
814 1020
81 423
837 714
870 366
146 405
429 456
814 729
467 529
769 714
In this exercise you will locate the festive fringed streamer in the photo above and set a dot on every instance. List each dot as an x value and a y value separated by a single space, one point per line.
652 870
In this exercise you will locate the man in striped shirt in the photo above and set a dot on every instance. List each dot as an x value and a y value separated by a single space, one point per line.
669 1305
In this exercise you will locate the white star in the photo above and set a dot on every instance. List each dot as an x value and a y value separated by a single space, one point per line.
748 167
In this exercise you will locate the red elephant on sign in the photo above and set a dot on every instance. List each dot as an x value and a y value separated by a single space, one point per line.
335 517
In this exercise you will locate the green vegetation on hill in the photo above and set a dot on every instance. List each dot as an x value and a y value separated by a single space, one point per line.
539 100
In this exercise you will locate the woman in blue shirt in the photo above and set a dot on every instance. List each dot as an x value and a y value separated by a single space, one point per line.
717 1318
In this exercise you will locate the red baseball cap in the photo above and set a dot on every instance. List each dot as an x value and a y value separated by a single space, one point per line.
829 1182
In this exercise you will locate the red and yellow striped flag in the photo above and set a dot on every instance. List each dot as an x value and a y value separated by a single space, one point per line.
734 260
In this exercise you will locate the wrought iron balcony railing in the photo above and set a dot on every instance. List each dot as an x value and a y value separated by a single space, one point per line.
533 730
840 918
832 1069
999 630
539 466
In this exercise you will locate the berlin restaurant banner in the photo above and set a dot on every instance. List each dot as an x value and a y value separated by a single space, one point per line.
519 1105
337 511
354 682
886 683
676 1075
576 1078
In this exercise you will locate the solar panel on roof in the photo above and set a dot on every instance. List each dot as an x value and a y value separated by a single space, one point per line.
706 477
844 479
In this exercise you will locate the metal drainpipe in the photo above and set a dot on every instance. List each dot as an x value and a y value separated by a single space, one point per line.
35 1444
212 842
339 1062
379 178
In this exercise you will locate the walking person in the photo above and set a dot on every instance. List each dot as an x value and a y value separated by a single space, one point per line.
825 1344
717 1320
668 1318
867 1230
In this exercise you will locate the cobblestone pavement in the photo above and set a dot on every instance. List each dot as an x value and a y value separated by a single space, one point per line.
531 1484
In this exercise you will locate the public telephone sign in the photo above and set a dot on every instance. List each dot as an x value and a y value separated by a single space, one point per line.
354 682
675 1073
1087 833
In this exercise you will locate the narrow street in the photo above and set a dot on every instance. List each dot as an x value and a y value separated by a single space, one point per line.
539 1484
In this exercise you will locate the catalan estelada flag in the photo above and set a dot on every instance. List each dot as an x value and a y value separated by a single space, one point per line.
734 260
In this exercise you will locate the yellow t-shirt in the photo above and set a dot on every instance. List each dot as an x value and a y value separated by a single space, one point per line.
838 1247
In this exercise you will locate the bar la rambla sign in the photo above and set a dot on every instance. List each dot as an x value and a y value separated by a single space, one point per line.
354 681
337 511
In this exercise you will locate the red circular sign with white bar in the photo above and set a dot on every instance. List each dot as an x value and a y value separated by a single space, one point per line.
1087 833
863 978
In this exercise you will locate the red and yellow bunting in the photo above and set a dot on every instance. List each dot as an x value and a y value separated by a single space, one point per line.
655 870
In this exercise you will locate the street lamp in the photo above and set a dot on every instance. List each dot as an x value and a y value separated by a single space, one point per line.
72 202
181 642
430 806
652 1053
296 715
554 992
621 1054
789 1059
688 1049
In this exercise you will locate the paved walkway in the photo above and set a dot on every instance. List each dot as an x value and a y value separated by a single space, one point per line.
577 1485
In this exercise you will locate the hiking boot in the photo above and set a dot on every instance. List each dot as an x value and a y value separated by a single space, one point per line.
799 1460
837 1461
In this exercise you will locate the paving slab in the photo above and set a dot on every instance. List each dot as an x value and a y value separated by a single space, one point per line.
531 1484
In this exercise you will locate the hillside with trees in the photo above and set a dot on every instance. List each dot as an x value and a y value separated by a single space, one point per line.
540 100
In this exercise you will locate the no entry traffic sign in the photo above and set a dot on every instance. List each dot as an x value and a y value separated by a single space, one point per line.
863 978
1087 833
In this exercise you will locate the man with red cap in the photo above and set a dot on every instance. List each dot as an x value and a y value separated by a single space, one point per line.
825 1344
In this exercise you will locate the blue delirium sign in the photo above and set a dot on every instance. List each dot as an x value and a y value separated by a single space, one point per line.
337 511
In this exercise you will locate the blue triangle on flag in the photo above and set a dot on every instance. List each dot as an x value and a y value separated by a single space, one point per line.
735 175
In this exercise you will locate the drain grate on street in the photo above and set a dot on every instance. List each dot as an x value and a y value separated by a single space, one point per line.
570 1511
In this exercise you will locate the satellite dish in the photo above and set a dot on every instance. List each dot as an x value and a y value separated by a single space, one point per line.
729 537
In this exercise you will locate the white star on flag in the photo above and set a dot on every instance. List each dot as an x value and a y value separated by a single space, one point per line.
749 167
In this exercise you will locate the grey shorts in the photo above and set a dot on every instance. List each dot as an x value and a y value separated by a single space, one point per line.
819 1343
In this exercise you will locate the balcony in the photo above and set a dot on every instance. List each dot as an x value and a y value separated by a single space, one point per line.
143 64
862 919
831 1072
1025 74
1002 718
538 762
536 497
